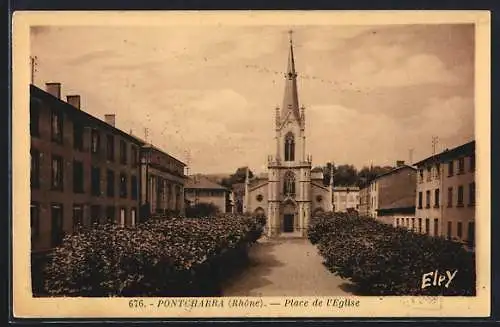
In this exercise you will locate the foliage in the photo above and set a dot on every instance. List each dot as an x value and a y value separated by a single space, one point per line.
239 176
383 260
174 257
347 175
202 210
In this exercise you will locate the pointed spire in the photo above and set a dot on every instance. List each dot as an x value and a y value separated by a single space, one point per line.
291 98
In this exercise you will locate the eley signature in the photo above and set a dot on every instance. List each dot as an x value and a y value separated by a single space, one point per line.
435 278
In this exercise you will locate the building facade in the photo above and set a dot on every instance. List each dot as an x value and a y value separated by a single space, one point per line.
345 198
200 189
163 193
393 195
291 193
83 170
446 193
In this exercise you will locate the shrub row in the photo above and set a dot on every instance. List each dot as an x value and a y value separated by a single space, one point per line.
382 260
174 257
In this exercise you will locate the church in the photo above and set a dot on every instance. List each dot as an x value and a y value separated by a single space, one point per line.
292 191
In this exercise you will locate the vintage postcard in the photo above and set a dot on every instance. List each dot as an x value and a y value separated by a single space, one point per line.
251 164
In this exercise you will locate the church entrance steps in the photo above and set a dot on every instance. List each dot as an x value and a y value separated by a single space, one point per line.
285 266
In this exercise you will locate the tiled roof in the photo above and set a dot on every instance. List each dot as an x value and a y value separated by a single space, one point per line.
201 182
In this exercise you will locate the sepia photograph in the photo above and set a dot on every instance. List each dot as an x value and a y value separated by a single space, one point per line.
278 163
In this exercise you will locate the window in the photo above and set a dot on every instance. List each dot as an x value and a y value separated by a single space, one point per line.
57 233
460 196
77 216
472 194
450 168
449 230
110 215
461 166
289 147
110 183
57 173
77 177
35 168
123 152
95 213
427 226
123 185
436 198
428 199
413 224
132 216
77 136
123 213
35 220
459 229
95 181
110 147
407 222
289 184
133 156
420 200
436 227
35 118
56 126
421 175
397 222
429 173
472 163
438 170
133 187
450 196
95 139
420 225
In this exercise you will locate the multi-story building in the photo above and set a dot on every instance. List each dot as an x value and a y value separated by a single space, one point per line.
200 189
393 196
345 198
163 194
83 170
446 193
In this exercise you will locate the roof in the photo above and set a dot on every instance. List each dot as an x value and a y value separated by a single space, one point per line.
397 169
317 169
202 182
290 98
36 92
464 149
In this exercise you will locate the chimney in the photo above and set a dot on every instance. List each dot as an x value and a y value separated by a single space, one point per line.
110 119
54 89
400 163
73 100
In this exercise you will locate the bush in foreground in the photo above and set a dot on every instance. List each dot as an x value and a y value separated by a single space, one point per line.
175 257
383 260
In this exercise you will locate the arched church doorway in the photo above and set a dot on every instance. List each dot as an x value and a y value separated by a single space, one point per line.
289 216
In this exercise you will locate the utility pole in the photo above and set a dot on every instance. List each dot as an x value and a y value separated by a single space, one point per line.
33 63
410 156
188 161
435 141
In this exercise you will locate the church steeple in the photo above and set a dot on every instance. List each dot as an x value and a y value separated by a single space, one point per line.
291 98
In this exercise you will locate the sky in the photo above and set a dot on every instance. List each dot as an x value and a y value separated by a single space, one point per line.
371 93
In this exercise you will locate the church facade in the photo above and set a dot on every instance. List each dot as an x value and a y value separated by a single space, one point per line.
292 191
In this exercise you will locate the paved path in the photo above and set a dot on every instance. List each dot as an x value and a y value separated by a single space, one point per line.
285 267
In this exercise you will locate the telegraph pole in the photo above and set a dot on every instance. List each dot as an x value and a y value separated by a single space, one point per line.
410 155
435 141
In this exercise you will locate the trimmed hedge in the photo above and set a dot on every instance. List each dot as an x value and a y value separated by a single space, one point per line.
382 260
174 257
